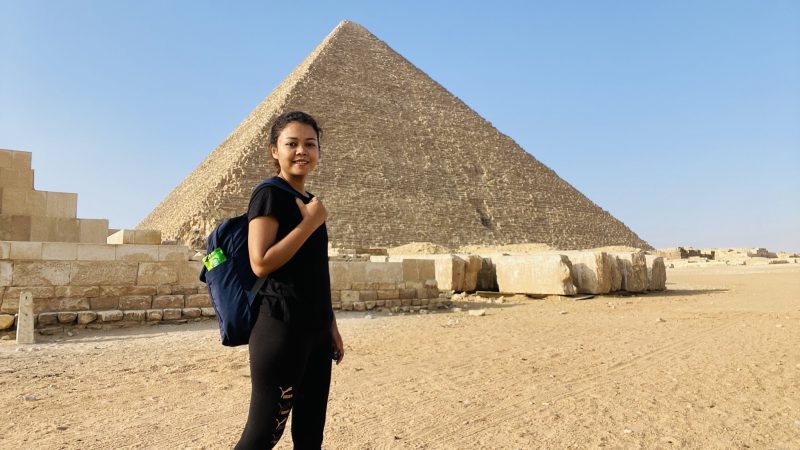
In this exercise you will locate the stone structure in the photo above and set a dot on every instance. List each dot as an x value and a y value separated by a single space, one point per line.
364 285
109 286
403 160
535 274
101 285
30 215
594 272
656 273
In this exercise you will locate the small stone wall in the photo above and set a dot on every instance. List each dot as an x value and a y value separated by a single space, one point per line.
364 285
100 285
104 286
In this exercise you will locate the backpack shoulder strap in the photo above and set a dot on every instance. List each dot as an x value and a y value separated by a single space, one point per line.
280 184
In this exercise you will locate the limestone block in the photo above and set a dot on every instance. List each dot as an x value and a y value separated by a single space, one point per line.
113 315
121 237
471 271
656 273
6 321
67 317
41 305
152 237
357 271
168 301
6 271
198 301
119 291
181 289
96 252
103 273
487 278
15 159
25 319
26 250
634 271
592 272
616 272
135 302
341 278
77 291
417 269
48 318
408 293
348 296
172 314
154 315
85 317
23 202
104 303
389 272
538 274
92 230
61 204
54 229
59 251
16 178
136 252
410 269
147 237
157 273
173 253
368 296
191 313
208 312
41 273
390 294
11 296
188 272
15 228
51 330
450 271
135 315
5 250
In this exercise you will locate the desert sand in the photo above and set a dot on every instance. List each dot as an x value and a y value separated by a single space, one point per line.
713 362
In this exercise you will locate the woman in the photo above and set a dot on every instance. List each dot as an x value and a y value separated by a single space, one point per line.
295 336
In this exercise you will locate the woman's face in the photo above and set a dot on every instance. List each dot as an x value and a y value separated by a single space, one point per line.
297 151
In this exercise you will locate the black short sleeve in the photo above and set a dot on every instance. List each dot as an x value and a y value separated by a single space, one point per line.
262 203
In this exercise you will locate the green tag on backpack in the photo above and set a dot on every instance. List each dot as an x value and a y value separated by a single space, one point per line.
214 259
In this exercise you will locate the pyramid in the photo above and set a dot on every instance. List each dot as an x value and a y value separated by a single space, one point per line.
403 160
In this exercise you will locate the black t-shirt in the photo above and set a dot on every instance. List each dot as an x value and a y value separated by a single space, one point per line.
300 290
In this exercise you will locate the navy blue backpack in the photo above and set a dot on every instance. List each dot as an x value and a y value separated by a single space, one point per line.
232 284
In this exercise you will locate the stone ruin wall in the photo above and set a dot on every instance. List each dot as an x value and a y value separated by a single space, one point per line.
27 214
106 286
403 161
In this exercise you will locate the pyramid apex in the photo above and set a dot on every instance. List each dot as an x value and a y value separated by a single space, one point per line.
348 23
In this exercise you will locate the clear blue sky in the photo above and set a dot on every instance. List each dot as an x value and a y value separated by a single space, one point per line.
680 118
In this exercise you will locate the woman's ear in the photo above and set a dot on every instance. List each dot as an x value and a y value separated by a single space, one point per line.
273 150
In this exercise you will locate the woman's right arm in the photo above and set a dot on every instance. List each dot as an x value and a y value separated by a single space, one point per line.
266 255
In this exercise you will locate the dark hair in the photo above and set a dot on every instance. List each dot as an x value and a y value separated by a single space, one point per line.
285 119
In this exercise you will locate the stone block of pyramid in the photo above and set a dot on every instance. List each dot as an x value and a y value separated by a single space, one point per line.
403 160
27 214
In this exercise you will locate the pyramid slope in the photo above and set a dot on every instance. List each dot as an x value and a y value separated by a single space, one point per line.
403 160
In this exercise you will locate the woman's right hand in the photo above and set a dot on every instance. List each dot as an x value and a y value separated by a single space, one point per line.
314 212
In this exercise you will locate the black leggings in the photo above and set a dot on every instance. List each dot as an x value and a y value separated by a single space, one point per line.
290 370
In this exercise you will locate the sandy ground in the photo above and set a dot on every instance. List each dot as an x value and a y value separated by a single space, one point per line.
721 369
